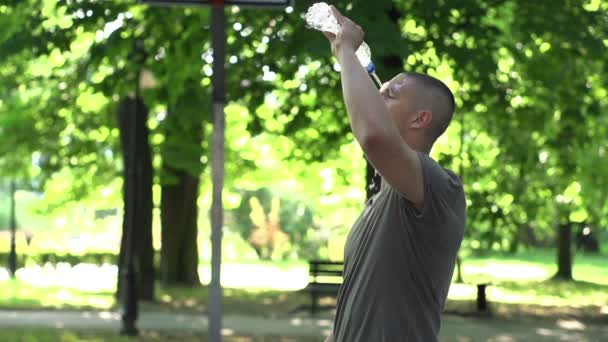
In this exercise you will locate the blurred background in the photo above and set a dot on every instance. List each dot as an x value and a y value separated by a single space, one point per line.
529 139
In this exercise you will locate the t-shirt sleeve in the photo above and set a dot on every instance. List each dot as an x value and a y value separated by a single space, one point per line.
440 188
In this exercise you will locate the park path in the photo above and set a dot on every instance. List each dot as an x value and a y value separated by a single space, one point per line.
454 328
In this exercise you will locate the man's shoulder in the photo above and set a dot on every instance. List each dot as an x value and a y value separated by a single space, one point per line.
453 178
446 188
438 173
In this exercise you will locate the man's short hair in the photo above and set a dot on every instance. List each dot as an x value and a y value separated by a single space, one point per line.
443 110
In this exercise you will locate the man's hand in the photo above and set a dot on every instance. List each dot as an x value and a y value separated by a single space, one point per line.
349 37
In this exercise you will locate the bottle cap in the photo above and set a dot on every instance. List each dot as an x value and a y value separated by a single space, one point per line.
371 68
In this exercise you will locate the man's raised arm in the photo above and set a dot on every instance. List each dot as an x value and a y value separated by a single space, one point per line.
370 119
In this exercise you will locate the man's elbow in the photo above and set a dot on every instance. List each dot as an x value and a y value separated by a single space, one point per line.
372 142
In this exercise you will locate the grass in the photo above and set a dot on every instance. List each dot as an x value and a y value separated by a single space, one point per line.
40 335
56 335
538 264
21 295
24 295
269 303
518 284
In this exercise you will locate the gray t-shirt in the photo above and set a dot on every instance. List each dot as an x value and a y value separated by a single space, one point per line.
398 262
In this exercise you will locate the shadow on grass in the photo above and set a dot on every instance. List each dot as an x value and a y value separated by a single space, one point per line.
44 335
266 303
555 292
544 300
556 287
509 299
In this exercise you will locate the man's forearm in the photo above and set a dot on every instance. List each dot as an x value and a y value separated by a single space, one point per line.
330 338
369 117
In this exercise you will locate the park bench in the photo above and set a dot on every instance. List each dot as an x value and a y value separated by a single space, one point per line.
324 279
482 301
481 283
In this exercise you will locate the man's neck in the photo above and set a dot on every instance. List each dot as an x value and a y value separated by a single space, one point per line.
418 145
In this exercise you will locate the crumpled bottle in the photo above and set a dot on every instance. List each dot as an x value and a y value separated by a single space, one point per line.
320 17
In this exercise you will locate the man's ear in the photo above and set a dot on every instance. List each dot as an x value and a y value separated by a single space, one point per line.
422 119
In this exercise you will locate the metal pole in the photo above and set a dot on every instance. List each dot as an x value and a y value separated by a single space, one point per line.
129 293
218 27
12 258
459 279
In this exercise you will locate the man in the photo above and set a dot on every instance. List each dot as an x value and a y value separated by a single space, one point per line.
401 251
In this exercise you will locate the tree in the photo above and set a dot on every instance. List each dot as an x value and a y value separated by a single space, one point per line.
265 217
520 112
182 152
565 108
67 98
497 57
142 159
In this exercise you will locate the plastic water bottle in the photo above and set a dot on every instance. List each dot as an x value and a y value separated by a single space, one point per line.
321 17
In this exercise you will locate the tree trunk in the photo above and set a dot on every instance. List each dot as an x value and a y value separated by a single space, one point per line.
182 166
179 212
515 240
144 249
564 252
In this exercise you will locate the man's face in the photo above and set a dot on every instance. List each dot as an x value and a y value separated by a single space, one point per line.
399 96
